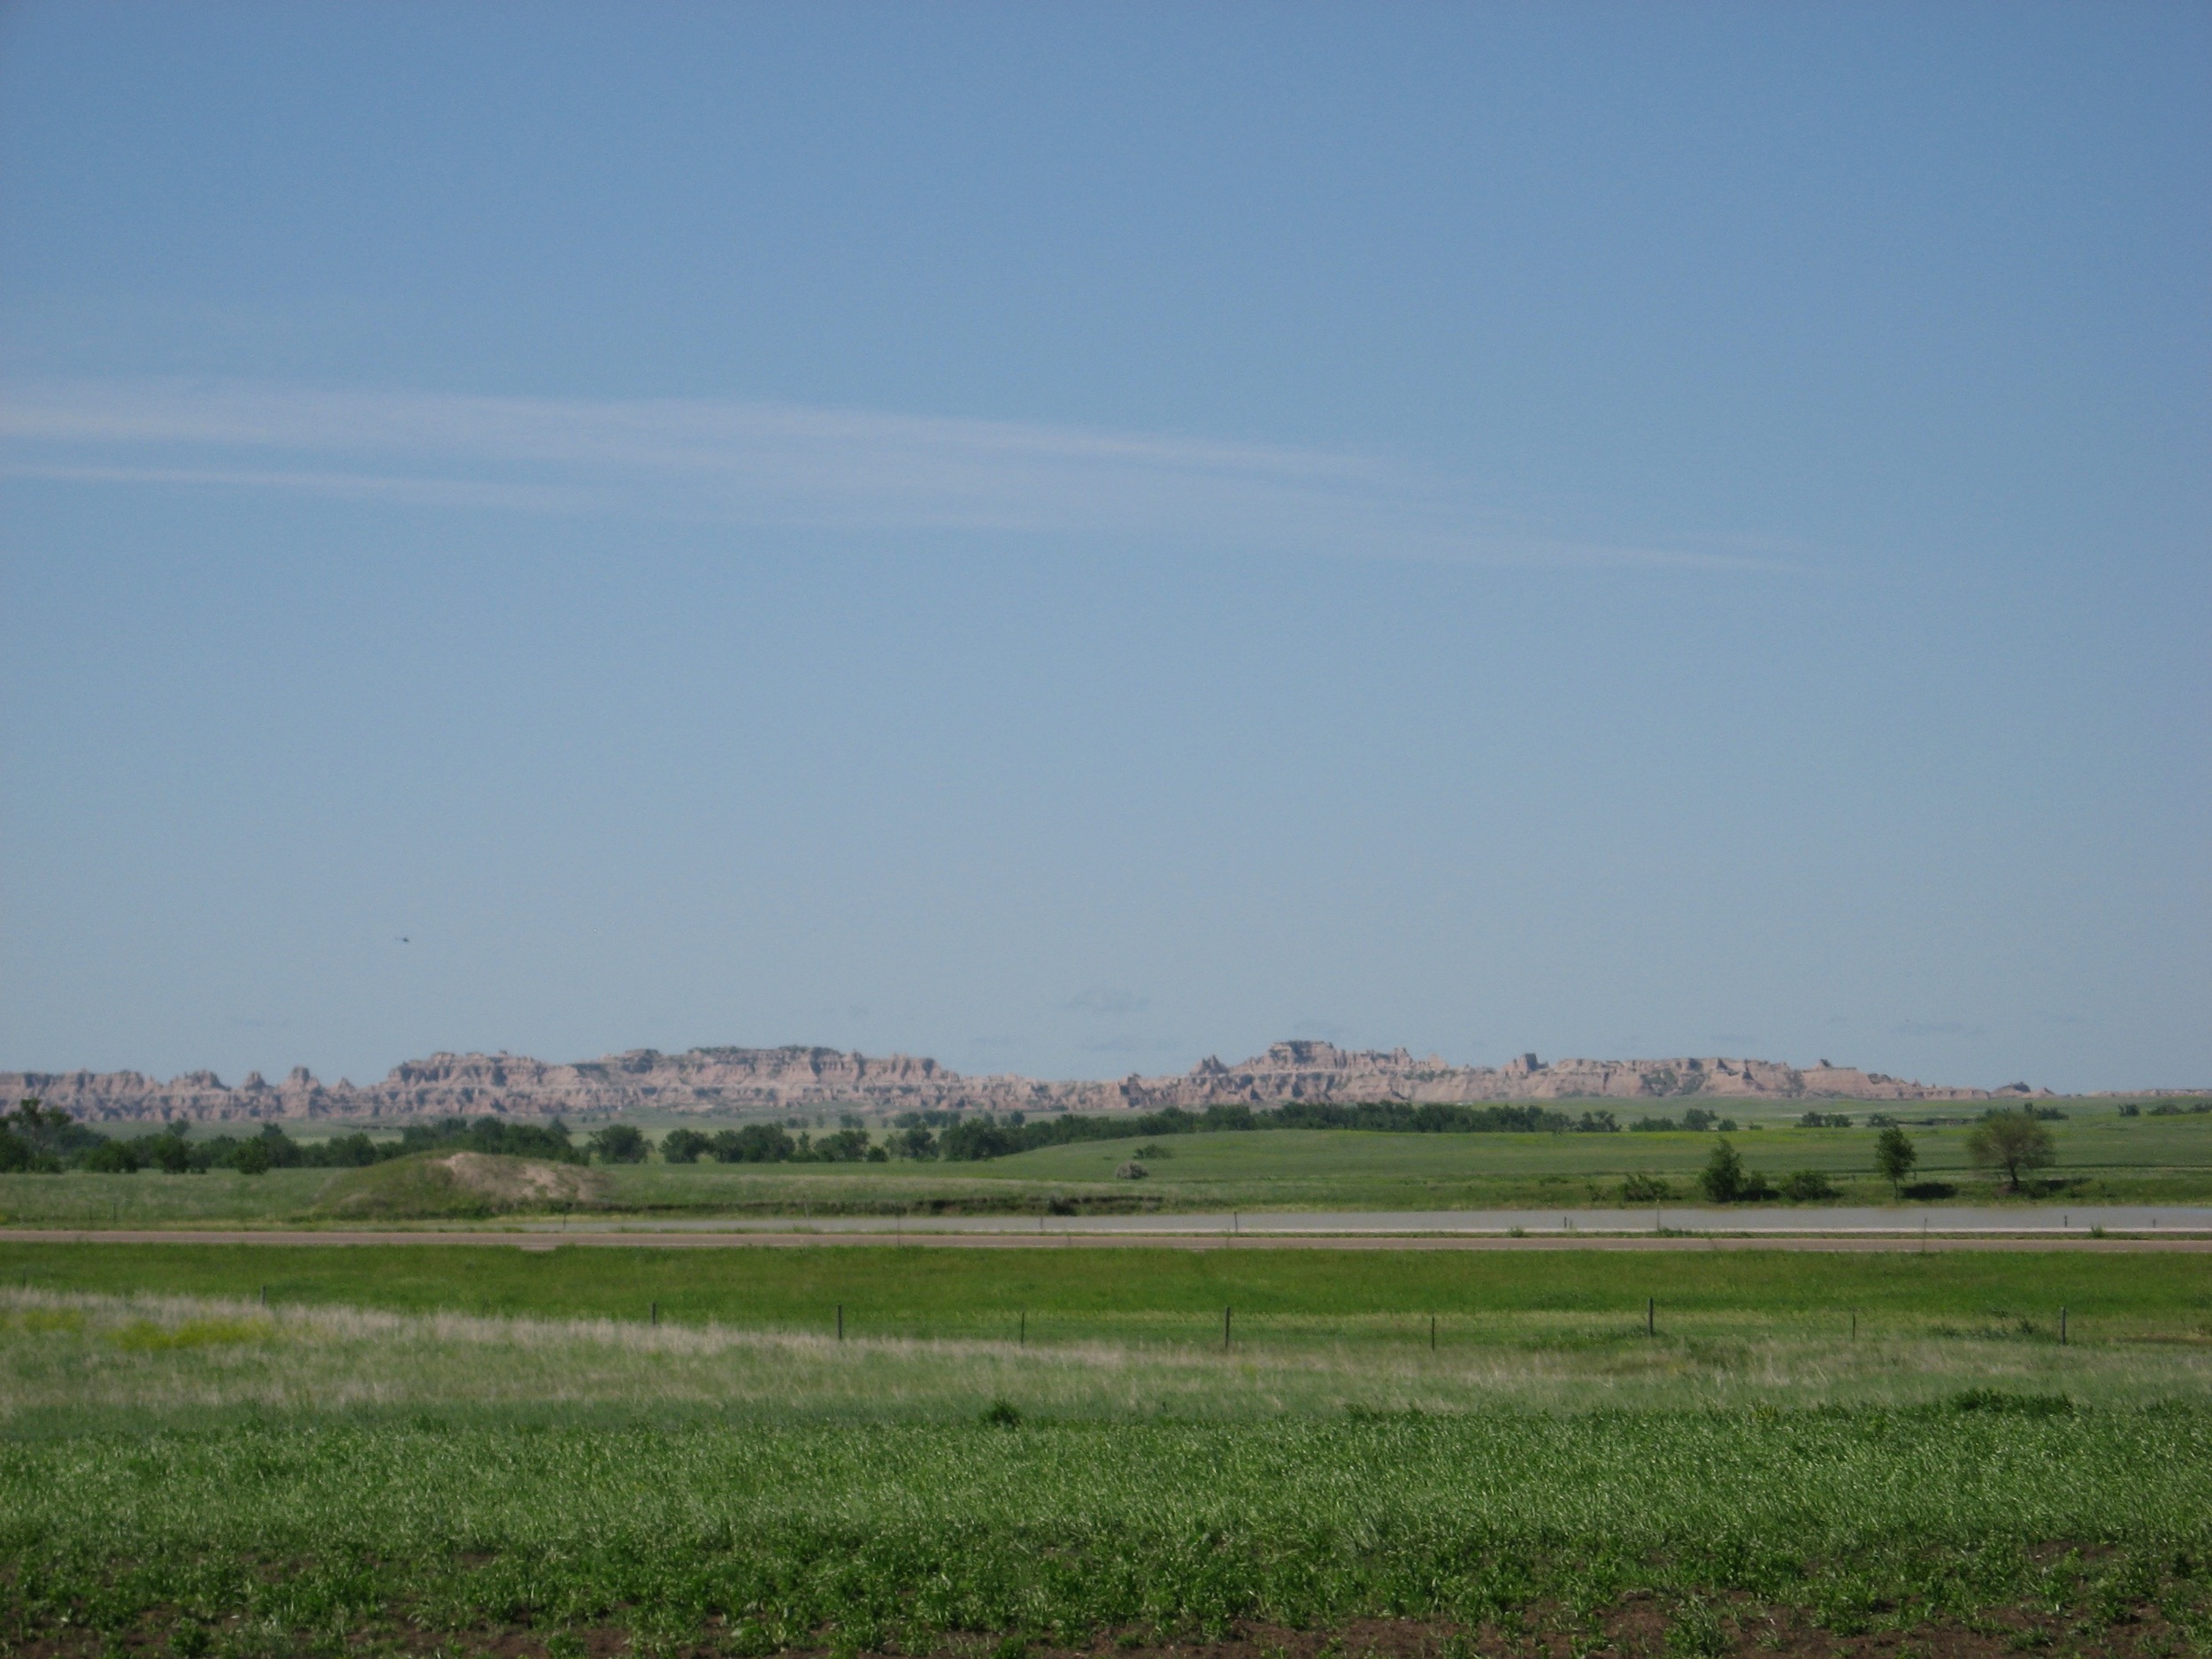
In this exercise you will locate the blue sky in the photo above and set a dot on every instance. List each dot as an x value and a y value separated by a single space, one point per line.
1071 539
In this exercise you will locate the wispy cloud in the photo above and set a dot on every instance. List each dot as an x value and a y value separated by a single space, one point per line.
769 463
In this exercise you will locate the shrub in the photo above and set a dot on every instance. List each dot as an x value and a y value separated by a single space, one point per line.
754 1143
110 1157
1645 1189
1804 1185
168 1152
620 1143
913 1142
846 1146
494 1135
1722 1180
284 1152
685 1145
47 1136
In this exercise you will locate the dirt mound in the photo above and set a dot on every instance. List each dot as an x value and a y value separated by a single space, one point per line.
462 1184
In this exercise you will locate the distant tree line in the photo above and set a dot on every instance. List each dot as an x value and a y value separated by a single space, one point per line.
39 1139
971 1140
1696 1118
2012 1140
2165 1107
765 1143
42 1140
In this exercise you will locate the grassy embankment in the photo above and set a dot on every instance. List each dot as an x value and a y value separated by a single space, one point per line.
2103 1157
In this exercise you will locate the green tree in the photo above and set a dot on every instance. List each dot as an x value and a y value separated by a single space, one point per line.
684 1146
1894 1155
1723 1176
168 1149
913 1142
2011 1141
110 1157
621 1143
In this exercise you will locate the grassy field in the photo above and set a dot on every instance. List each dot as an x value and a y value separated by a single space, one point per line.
71 1361
2103 1157
852 1539
452 1448
1078 1293
933 1334
243 1452
211 1478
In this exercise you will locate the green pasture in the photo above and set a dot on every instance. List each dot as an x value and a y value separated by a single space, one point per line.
2102 1154
2103 1157
1082 1293
183 1335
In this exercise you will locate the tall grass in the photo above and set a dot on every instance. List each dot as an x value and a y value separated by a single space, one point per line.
71 1362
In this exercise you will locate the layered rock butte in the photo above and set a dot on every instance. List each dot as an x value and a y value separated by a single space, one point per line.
781 1079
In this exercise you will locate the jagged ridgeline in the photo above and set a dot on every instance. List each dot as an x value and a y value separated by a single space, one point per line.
779 1079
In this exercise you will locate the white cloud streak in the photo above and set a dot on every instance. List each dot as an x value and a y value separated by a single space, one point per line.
766 464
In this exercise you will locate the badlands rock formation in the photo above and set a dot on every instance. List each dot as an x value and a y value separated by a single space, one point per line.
782 1080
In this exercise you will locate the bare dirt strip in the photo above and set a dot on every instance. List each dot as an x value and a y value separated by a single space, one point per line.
548 1240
